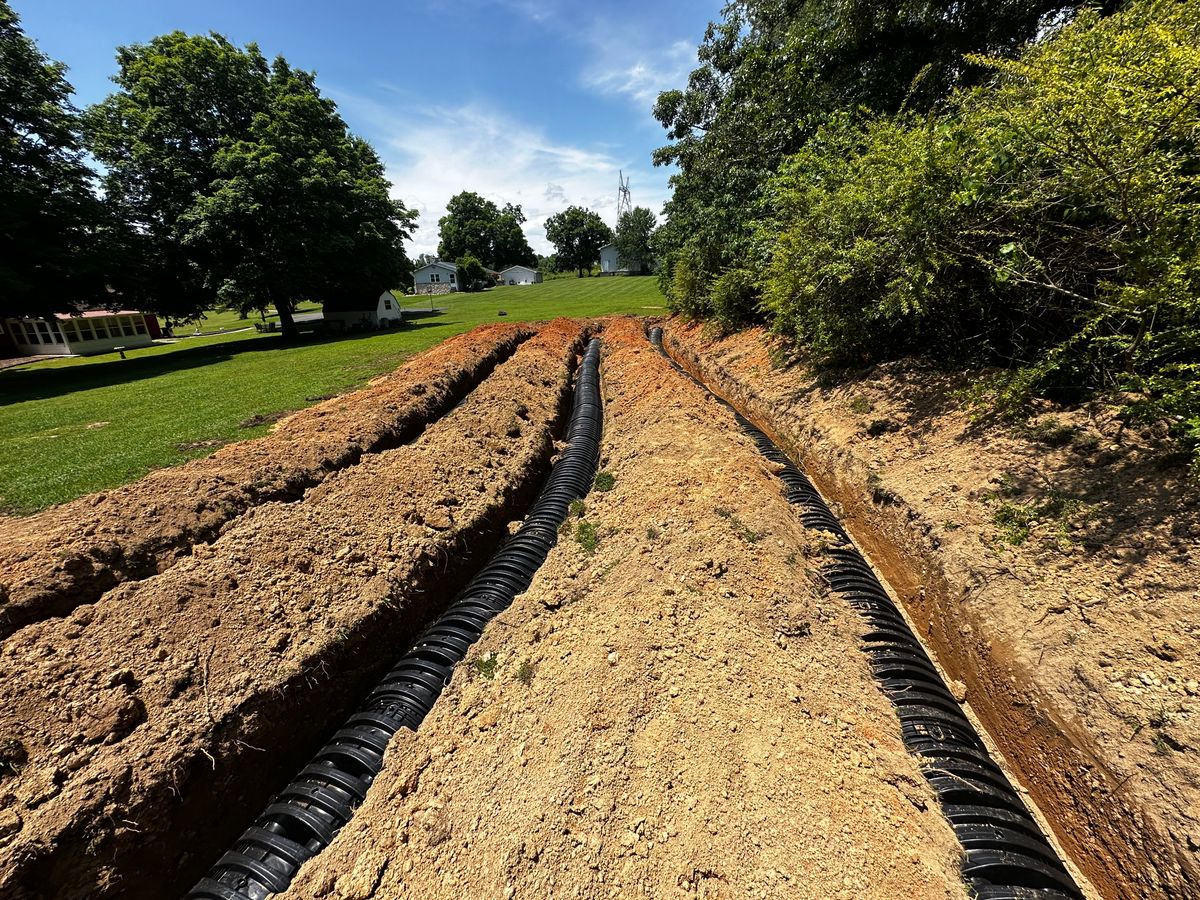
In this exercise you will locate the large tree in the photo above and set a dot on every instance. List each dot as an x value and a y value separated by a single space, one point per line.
242 181
298 210
635 229
577 235
52 225
475 226
772 71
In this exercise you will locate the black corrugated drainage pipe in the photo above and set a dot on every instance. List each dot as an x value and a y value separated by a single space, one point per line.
304 817
1006 855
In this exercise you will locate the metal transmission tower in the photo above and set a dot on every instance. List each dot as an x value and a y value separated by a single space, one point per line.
624 200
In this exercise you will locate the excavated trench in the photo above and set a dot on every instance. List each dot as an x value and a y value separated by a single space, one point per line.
303 818
1006 855
135 778
69 556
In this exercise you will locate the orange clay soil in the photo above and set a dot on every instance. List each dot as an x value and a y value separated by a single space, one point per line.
55 560
1051 567
678 713
139 729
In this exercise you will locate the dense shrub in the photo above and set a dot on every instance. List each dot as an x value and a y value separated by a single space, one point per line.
734 296
1048 221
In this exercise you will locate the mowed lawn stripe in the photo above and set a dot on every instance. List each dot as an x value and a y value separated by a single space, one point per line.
72 427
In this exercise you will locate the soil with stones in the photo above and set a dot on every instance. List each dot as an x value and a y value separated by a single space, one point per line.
68 555
1052 568
674 708
133 727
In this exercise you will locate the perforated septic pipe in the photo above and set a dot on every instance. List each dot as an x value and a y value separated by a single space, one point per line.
1005 854
302 819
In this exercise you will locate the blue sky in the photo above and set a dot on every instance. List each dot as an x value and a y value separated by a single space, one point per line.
537 103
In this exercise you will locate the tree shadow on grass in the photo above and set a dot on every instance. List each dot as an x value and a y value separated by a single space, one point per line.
18 386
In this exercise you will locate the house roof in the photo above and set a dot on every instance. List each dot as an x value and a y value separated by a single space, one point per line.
518 266
97 313
439 264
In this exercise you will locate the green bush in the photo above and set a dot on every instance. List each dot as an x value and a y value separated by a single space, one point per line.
687 291
1048 222
734 297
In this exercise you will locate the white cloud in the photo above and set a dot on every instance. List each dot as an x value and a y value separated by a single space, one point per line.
640 73
433 153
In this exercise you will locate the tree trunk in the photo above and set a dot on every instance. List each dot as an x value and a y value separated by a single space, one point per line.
287 324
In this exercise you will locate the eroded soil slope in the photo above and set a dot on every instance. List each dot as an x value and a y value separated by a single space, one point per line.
673 711
136 728
55 560
1053 570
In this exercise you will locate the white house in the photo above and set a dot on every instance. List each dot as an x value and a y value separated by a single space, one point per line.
94 331
436 278
383 313
520 275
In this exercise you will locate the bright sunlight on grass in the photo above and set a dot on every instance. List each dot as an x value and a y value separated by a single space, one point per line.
72 426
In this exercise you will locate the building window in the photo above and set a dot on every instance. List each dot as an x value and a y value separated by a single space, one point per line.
387 302
139 325
435 277
127 326
85 330
101 329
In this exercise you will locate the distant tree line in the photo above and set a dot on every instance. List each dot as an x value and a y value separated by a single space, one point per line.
476 232
1001 183
227 180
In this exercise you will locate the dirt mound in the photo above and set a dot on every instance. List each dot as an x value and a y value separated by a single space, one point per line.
55 560
1052 569
145 729
673 709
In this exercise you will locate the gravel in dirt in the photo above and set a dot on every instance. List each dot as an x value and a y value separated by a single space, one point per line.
55 560
144 731
1051 567
674 709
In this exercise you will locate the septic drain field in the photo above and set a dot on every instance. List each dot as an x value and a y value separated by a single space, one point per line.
680 704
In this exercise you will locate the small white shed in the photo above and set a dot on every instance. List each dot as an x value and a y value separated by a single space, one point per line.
359 314
610 261
520 275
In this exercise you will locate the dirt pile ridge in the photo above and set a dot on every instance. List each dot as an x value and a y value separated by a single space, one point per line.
68 555
142 732
1052 570
678 712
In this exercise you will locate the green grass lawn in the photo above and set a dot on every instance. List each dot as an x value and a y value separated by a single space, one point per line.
228 319
72 426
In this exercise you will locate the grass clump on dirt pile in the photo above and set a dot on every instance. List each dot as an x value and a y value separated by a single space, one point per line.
1045 223
98 422
587 536
605 481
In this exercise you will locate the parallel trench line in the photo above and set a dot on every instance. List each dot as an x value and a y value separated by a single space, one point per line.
305 816
1006 855
137 563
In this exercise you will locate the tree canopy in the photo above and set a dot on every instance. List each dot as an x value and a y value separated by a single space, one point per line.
54 232
475 226
772 71
242 182
577 235
635 231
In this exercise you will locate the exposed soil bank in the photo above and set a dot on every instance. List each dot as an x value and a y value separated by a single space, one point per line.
678 713
1052 572
53 561
152 725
